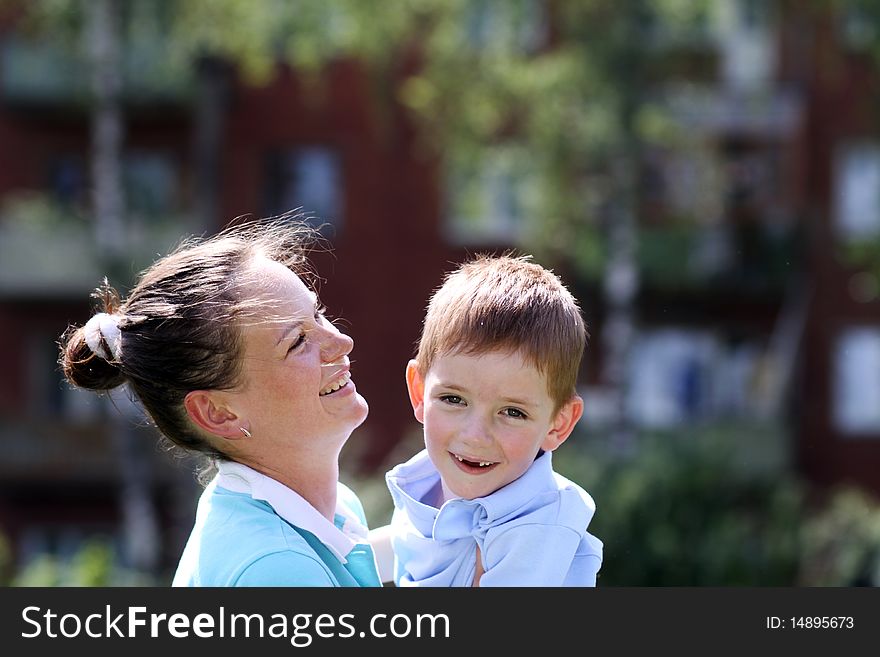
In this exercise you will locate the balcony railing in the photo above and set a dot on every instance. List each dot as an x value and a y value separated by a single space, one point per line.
51 255
49 74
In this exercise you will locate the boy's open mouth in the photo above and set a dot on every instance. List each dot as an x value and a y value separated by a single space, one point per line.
472 466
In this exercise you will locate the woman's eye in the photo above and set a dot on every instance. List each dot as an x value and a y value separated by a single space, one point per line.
451 399
319 313
514 412
297 342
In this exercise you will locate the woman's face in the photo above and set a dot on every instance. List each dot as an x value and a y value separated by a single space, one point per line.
296 381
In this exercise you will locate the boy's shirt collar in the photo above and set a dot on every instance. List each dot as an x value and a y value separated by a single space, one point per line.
340 536
410 482
418 476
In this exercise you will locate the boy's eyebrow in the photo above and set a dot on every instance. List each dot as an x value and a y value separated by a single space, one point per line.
451 386
518 402
509 400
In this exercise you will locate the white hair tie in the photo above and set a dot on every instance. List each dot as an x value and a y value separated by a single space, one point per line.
103 325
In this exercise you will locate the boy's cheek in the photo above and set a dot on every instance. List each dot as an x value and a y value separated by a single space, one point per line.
433 425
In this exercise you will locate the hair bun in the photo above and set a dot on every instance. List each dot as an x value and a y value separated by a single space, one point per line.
83 365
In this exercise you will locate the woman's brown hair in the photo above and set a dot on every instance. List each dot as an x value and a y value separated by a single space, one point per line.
180 325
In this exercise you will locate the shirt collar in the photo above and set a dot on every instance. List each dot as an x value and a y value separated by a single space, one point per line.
339 537
409 483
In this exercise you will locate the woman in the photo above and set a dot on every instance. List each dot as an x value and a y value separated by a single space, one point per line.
229 352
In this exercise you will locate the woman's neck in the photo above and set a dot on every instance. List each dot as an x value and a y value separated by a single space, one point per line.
315 484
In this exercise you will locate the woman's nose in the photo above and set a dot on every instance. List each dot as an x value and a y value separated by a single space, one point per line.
335 345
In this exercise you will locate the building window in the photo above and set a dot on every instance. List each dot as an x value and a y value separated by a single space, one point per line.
857 192
48 394
68 181
668 384
856 382
486 199
746 41
689 183
678 376
519 25
151 181
309 179
857 30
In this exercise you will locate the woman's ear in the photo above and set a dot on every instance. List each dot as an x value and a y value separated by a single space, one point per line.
207 409
416 388
563 424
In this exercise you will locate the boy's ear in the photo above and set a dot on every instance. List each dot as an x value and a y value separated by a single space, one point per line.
416 388
208 410
563 424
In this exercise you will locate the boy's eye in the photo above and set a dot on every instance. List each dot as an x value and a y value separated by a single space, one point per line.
514 412
451 399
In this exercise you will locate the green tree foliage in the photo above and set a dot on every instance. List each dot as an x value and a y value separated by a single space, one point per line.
563 85
696 510
94 564
841 543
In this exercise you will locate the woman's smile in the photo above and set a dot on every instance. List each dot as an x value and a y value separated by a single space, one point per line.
337 385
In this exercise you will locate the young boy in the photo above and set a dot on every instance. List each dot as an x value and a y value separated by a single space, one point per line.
493 383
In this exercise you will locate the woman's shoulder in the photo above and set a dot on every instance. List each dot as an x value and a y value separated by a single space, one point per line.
253 523
243 542
285 568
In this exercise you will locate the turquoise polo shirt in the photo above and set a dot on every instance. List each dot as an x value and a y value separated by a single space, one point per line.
251 530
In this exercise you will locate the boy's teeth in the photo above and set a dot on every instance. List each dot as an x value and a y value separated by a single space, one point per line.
483 464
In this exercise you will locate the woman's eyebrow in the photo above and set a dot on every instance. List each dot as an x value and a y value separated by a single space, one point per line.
287 331
295 325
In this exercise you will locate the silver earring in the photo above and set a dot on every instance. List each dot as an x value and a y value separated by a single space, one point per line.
247 434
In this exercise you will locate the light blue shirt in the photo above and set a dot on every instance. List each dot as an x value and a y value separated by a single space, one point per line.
251 530
532 532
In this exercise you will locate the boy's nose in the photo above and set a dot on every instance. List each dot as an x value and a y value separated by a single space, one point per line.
476 433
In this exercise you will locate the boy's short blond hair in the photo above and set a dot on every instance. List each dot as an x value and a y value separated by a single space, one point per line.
508 303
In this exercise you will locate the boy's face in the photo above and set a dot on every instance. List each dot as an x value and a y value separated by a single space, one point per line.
486 416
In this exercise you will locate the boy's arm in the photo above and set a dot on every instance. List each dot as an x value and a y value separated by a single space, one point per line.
380 541
478 572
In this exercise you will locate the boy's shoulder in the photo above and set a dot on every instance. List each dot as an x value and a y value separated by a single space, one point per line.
574 493
412 478
541 496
